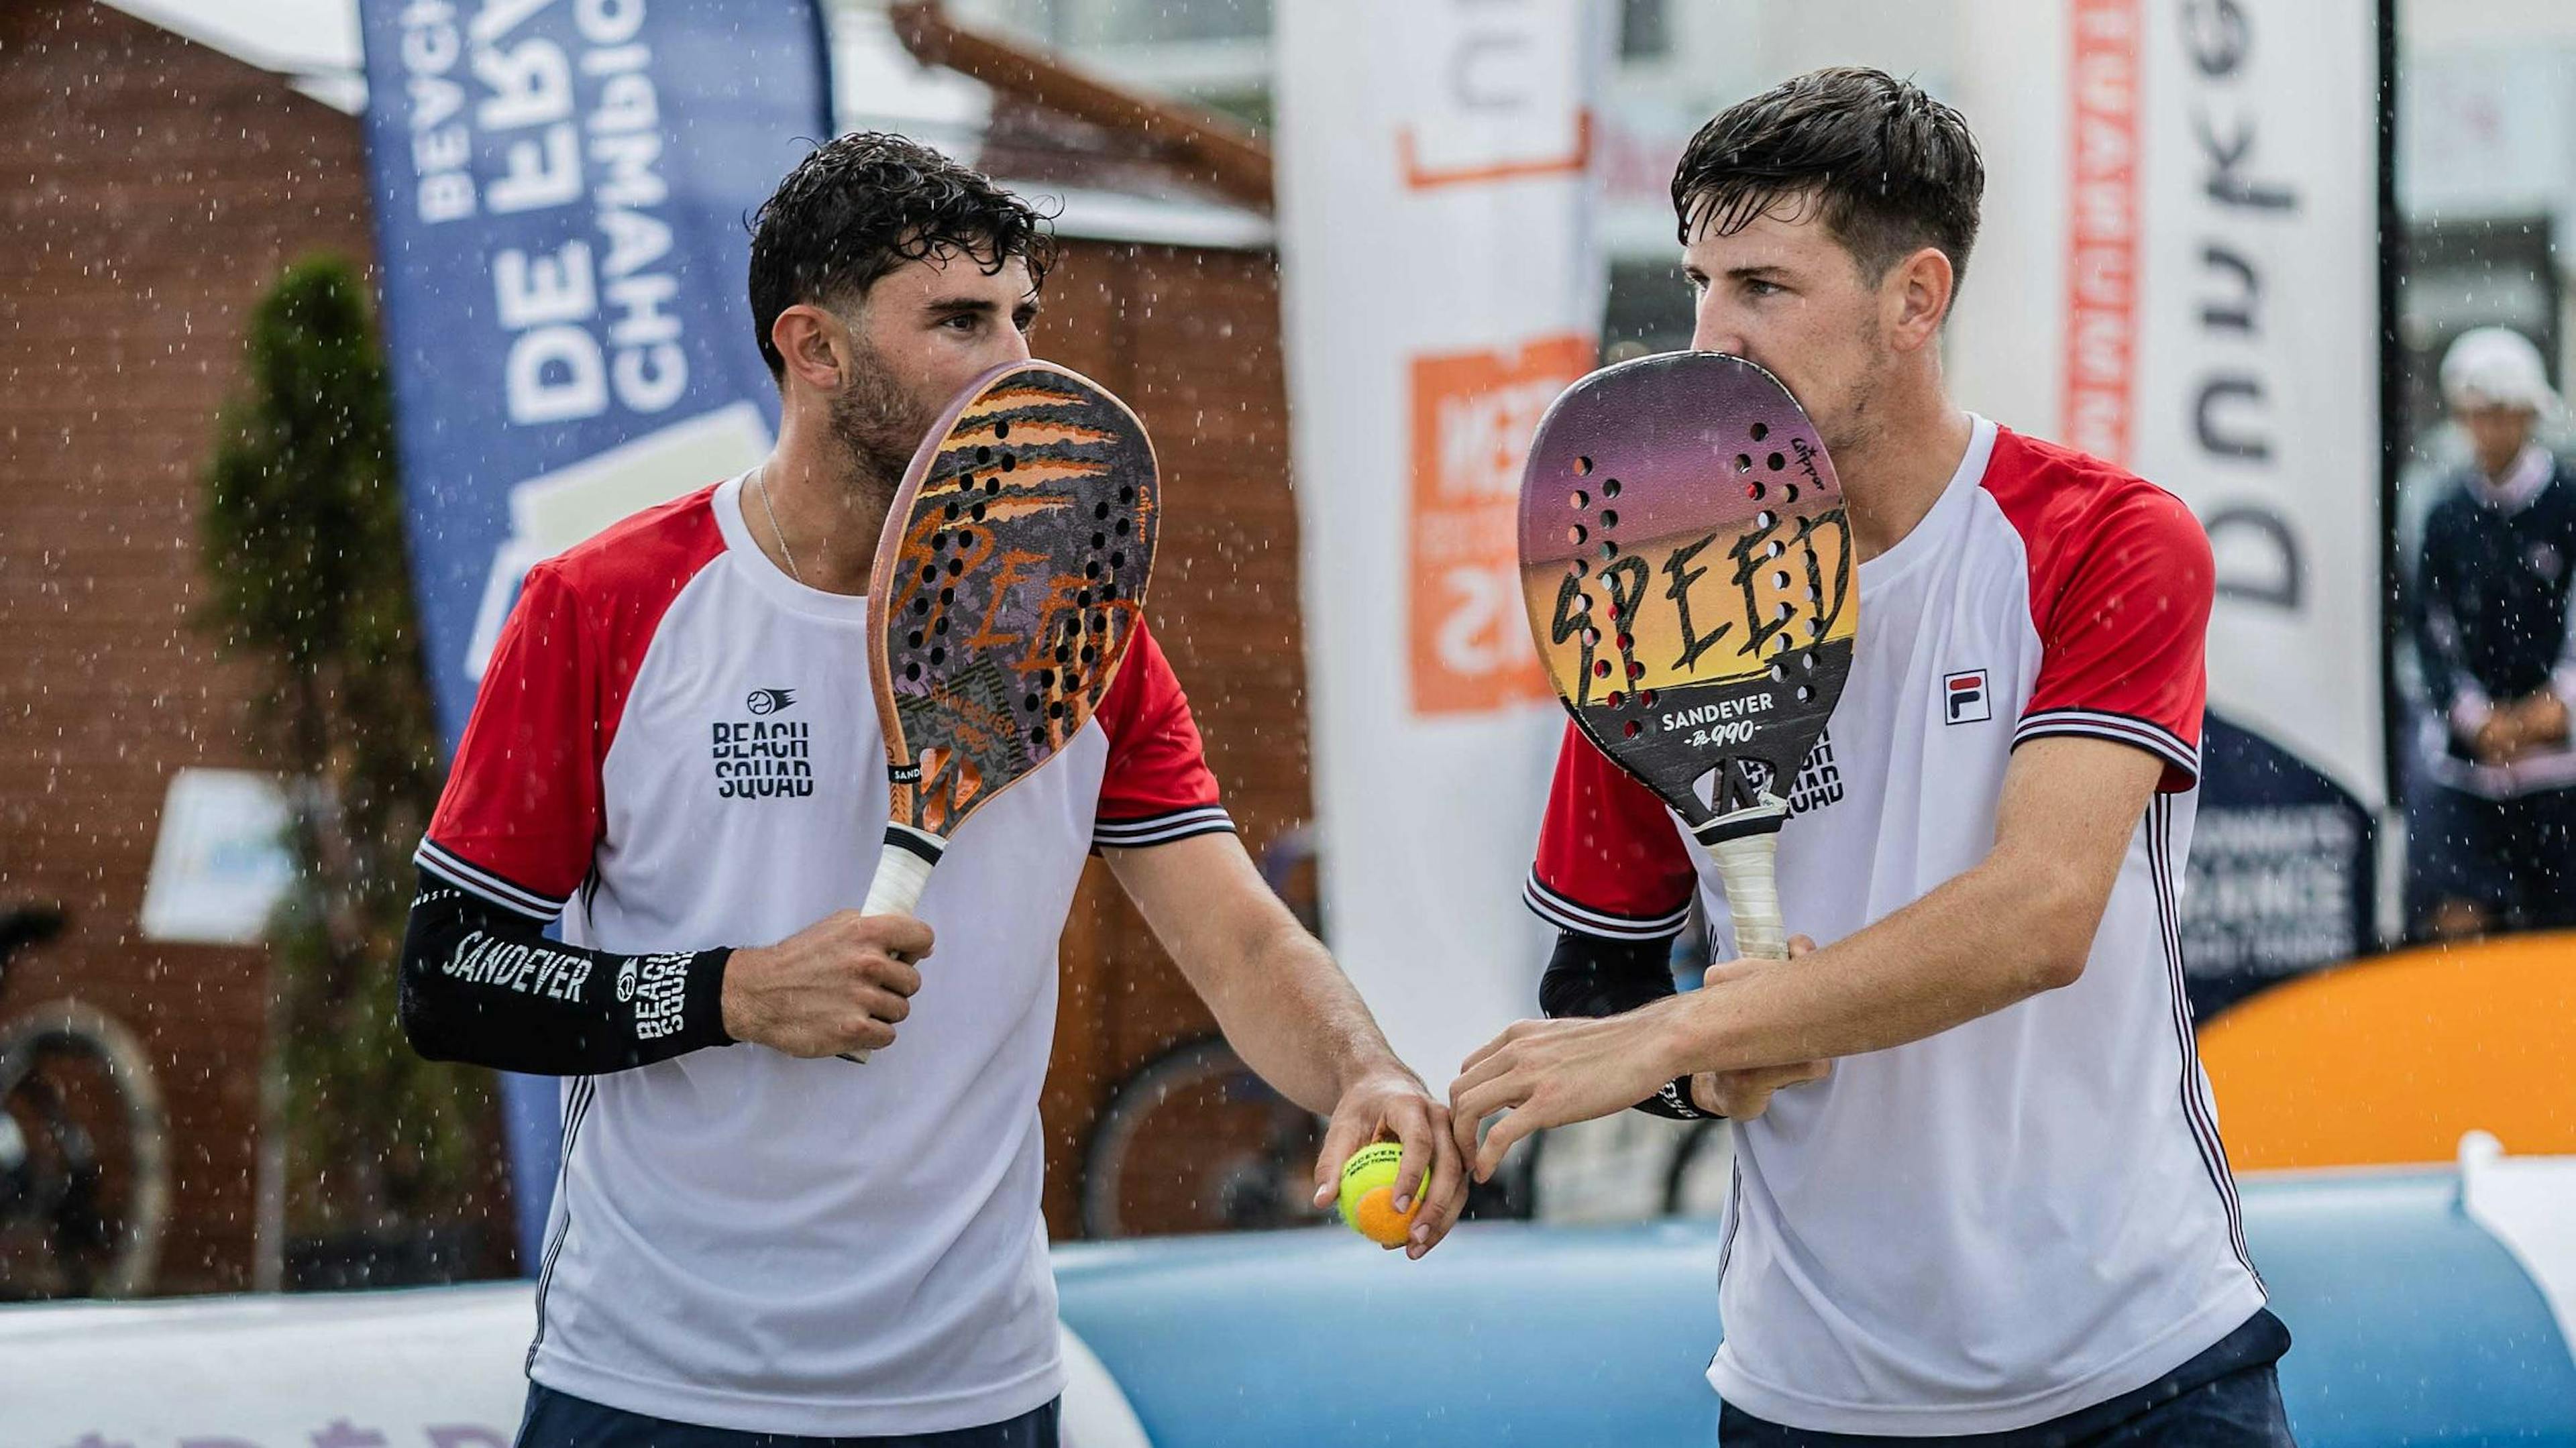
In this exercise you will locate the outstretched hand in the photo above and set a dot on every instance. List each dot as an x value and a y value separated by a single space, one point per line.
1392 1102
1552 1073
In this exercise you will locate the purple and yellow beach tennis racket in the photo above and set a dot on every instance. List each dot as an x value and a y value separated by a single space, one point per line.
1688 568
1009 579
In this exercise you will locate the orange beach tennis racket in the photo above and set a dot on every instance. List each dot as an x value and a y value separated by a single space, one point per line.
1009 579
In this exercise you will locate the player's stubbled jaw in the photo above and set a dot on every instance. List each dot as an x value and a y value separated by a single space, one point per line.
1783 291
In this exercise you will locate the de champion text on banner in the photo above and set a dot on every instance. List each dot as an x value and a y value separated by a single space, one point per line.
560 191
560 187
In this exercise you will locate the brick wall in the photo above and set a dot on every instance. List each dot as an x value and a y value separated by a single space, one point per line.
1190 338
150 191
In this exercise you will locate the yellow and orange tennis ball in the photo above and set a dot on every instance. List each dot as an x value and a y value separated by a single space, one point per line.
1368 1194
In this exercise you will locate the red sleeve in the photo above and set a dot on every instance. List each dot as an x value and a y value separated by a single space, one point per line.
1611 862
2123 620
521 814
1157 788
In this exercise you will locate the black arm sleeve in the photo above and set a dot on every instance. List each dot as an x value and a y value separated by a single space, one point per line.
483 985
1592 975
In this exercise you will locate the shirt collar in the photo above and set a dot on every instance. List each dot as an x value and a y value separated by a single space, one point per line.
2521 483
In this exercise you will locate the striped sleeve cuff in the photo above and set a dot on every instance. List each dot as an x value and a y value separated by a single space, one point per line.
2153 738
484 885
1565 914
1162 829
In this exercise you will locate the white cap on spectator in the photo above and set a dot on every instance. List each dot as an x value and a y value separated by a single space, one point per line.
2496 367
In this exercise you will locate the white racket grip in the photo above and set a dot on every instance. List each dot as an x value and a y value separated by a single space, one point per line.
1747 866
902 873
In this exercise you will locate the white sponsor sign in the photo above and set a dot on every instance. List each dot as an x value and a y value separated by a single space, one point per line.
2523 1202
2179 272
220 866
1442 286
2490 132
435 1368
552 512
438 1368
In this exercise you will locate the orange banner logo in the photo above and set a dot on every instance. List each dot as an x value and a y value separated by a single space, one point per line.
1473 417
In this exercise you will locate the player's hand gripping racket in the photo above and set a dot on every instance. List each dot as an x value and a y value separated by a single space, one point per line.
1688 568
1008 581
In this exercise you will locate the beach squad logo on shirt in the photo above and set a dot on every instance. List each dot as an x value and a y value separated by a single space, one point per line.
1820 780
764 757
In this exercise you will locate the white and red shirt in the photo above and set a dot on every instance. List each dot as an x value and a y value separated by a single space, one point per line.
676 748
2030 1213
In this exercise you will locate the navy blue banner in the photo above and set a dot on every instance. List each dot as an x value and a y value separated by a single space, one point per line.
560 192
2281 873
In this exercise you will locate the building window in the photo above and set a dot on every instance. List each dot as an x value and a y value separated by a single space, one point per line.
1645 29
1162 22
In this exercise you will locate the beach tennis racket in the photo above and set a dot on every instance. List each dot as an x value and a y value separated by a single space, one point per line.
1688 569
1009 579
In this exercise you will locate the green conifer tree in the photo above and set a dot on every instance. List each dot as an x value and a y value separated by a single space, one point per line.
303 544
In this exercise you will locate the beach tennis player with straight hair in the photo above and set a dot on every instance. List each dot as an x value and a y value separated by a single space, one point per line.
676 751
2001 1215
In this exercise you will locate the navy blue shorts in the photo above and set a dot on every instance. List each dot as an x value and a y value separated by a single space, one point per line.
2228 1397
560 1420
2514 857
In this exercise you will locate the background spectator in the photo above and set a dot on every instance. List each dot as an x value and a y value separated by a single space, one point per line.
2495 833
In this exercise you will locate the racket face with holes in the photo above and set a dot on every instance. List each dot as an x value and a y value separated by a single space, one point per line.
1009 579
1688 568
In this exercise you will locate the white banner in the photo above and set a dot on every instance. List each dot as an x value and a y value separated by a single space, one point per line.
2179 272
440 1367
437 1368
1442 286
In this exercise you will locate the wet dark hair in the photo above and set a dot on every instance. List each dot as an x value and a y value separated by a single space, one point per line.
1892 169
860 206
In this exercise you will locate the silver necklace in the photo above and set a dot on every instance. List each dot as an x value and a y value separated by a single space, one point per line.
761 476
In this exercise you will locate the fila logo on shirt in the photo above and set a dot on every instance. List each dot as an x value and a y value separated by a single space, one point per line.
1964 698
764 758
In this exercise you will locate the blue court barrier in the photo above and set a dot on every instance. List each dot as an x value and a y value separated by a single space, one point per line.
2412 1325
2424 1315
